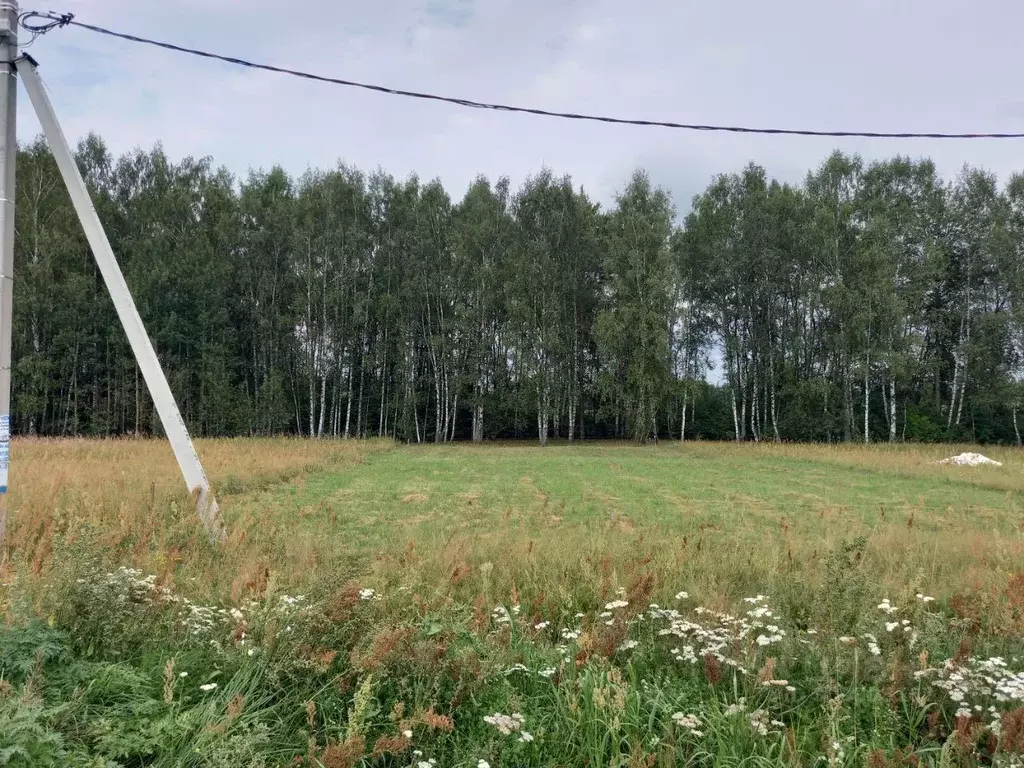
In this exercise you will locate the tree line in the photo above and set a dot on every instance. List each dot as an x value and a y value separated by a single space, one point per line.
874 301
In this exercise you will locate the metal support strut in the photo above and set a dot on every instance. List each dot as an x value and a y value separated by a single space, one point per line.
142 348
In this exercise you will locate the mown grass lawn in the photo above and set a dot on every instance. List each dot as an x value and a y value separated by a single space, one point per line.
961 525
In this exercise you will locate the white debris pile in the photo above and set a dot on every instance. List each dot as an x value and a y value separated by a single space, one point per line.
970 460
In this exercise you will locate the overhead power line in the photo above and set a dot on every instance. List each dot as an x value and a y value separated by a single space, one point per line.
40 23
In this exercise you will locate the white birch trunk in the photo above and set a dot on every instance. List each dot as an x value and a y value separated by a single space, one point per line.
348 406
772 395
682 424
735 416
383 390
478 424
963 389
312 396
743 413
867 397
755 433
892 409
437 396
323 406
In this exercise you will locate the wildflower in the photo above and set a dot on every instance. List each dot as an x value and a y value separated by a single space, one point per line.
424 764
500 615
208 687
891 625
682 595
516 609
407 734
628 645
759 722
925 598
735 709
366 594
570 634
542 625
690 722
506 724
525 737
183 674
482 764
417 753
604 615
615 604
609 622
547 672
886 607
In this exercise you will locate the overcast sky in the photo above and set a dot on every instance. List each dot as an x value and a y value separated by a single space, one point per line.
884 65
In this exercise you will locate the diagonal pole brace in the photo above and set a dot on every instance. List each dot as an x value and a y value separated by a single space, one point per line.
138 338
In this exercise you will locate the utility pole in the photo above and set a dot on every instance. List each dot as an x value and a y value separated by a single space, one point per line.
138 339
8 154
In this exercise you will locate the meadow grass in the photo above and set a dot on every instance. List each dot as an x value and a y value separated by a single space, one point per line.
697 604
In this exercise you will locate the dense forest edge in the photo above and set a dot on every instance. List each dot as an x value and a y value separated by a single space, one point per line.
873 302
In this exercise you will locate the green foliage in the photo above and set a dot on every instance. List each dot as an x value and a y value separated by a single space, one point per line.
26 646
245 748
349 304
845 587
921 428
26 741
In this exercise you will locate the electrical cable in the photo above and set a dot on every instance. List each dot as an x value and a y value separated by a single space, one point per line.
53 20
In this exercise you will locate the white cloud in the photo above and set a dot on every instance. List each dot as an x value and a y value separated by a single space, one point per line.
866 64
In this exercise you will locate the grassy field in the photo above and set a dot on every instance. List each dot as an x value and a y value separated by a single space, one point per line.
698 604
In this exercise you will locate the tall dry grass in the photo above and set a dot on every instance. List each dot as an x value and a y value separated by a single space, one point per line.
917 460
127 496
124 498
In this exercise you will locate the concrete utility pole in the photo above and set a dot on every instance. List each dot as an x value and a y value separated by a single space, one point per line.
138 339
11 64
8 154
